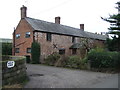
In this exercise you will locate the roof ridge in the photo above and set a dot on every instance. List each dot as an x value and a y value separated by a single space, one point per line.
45 26
55 23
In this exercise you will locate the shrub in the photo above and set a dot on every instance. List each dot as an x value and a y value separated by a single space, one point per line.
103 59
76 62
6 48
52 59
35 52
73 62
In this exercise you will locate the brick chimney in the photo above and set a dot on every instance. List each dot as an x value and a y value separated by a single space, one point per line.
57 20
23 12
82 27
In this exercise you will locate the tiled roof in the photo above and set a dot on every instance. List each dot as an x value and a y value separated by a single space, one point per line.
43 26
76 46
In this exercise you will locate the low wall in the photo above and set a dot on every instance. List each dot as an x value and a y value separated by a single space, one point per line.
16 74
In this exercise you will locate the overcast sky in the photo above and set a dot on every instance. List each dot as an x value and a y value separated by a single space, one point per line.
72 13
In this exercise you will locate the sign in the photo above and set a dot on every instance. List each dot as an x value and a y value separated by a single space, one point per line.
10 64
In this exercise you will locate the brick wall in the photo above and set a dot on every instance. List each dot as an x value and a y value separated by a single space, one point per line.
58 41
23 43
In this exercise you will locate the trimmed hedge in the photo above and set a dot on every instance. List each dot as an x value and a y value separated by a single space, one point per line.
100 58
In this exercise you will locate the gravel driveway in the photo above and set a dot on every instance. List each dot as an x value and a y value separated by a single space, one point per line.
53 77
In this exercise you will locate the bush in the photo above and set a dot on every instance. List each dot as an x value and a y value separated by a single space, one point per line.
75 62
103 59
52 59
6 48
35 52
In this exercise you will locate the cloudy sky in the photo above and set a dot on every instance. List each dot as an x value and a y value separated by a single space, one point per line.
72 13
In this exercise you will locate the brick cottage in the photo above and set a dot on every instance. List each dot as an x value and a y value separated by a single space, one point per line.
53 37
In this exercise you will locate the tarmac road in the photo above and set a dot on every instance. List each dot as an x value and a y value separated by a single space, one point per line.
53 77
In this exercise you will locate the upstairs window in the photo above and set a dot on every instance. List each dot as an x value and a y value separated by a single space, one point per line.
17 50
28 50
49 37
17 36
27 35
73 39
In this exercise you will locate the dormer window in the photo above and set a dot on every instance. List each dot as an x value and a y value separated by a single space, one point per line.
17 36
27 35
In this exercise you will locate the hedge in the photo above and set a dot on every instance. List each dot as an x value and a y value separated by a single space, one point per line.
104 59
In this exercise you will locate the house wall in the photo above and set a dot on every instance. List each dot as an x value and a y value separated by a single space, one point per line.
57 42
61 41
23 43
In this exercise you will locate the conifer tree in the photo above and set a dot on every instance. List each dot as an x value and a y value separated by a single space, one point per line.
114 28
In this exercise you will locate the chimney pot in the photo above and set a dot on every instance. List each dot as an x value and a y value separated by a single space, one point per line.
23 12
82 27
57 20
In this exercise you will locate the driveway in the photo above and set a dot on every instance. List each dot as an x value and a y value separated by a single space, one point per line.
53 77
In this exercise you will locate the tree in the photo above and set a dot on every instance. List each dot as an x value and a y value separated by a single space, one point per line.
35 52
114 29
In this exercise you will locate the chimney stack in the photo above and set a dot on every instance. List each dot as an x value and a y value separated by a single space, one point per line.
82 27
57 20
23 12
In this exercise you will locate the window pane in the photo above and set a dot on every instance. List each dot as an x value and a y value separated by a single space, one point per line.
74 51
17 36
73 39
49 37
61 51
28 50
27 35
17 50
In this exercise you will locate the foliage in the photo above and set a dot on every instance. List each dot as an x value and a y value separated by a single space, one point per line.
6 48
35 52
75 62
52 59
103 59
86 43
114 29
112 44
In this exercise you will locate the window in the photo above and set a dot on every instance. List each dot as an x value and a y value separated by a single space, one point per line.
74 51
62 51
73 39
17 36
17 50
49 37
27 35
28 50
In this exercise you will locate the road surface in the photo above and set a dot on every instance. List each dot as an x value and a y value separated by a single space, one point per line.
53 77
